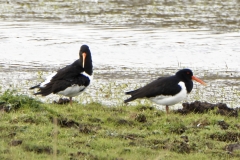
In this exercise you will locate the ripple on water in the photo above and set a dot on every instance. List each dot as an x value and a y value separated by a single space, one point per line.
132 43
217 15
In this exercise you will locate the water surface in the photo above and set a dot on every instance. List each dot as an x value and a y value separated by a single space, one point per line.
132 43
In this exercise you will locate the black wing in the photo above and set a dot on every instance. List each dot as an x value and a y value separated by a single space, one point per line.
161 86
69 71
64 78
60 85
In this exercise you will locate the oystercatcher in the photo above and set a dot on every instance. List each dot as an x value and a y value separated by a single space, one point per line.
167 90
71 80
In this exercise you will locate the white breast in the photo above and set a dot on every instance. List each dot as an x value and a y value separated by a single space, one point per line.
75 90
72 91
171 100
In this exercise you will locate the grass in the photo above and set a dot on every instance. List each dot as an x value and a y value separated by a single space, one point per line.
34 130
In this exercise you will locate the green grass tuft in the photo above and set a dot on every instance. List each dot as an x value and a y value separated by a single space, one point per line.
38 130
11 101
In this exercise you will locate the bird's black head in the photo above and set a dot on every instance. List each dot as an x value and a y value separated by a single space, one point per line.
186 75
86 59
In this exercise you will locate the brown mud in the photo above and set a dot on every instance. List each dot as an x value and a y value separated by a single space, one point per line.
203 107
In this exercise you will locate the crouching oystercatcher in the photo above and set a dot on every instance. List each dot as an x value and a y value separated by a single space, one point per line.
167 90
71 80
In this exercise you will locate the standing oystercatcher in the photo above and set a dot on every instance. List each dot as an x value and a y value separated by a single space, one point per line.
167 90
71 80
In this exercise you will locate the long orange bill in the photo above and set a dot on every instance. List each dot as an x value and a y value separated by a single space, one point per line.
84 56
198 80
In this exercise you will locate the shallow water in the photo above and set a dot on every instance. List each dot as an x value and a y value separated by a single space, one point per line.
132 43
218 15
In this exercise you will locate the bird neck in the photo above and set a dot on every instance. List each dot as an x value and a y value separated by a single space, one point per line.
89 69
189 86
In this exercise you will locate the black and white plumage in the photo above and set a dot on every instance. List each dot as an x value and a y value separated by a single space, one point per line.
71 80
167 90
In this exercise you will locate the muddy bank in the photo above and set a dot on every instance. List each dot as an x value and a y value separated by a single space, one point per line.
204 107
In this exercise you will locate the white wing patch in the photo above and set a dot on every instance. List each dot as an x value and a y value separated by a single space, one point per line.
48 79
171 100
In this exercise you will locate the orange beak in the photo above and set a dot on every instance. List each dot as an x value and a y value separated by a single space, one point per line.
84 57
198 80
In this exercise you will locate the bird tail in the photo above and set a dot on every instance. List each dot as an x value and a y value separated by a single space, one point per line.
37 86
42 91
36 93
131 98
